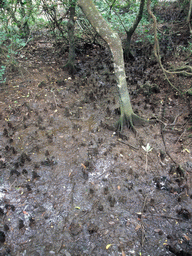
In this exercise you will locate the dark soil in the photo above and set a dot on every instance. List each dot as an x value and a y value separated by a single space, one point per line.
69 184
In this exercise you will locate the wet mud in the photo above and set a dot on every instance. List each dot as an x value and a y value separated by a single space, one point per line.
69 183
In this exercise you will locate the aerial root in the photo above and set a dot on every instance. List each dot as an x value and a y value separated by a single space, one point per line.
70 68
130 121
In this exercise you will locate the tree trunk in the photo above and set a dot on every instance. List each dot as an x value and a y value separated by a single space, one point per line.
127 50
112 38
189 16
130 32
71 25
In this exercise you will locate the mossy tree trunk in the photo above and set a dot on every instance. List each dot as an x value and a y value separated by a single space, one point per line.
70 66
24 10
127 52
112 38
190 16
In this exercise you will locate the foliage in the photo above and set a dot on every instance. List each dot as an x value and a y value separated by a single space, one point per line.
122 15
19 14
119 13
56 12
10 44
148 148
184 4
16 16
187 50
2 72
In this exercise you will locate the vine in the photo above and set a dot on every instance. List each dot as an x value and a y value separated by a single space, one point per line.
157 52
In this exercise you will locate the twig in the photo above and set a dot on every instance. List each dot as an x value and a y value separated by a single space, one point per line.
54 99
181 136
165 124
163 216
176 118
157 50
144 203
120 20
131 146
102 174
13 183
161 127
72 192
142 234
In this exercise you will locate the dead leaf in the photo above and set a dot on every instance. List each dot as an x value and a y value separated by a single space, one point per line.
186 237
83 166
138 227
123 253
157 230
107 246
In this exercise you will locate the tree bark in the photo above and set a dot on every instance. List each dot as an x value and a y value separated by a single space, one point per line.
113 40
132 29
71 26
189 16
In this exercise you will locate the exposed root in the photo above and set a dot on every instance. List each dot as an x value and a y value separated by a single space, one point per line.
184 70
130 121
70 68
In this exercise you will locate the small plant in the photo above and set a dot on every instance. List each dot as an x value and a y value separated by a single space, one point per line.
147 149
2 72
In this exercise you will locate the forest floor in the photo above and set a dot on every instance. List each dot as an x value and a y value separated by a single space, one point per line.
69 183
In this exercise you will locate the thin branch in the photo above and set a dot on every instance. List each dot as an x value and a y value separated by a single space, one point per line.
157 50
163 216
131 146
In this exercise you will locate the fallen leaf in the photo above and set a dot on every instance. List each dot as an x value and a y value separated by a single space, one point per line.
186 237
138 227
107 246
83 165
123 253
186 150
157 230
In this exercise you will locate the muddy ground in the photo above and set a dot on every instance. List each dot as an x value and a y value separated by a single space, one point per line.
69 183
